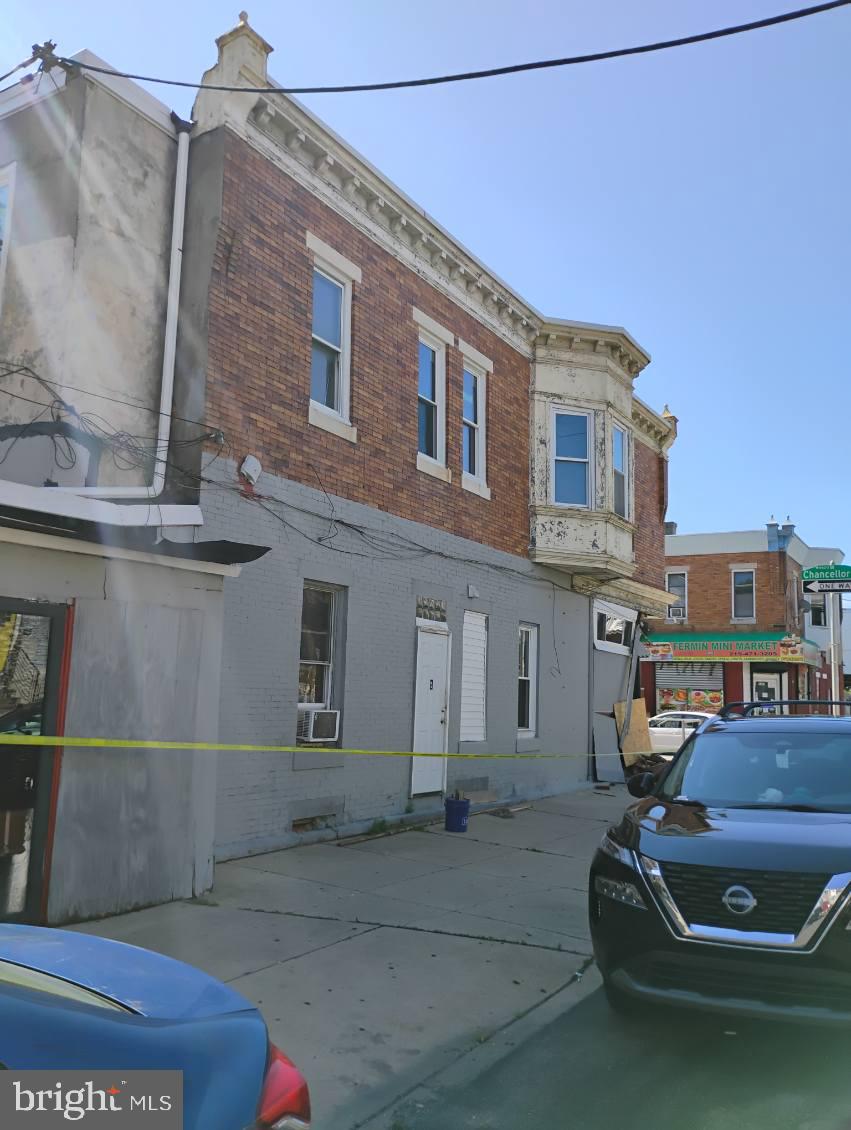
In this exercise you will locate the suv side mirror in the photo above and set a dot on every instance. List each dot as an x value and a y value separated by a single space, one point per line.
641 784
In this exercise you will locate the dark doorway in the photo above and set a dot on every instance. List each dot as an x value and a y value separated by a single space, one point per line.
31 637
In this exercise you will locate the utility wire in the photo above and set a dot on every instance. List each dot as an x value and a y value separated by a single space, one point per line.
19 67
464 76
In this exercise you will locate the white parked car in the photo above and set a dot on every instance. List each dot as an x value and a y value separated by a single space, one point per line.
668 731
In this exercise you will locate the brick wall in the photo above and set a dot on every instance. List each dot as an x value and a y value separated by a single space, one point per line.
650 471
259 365
709 592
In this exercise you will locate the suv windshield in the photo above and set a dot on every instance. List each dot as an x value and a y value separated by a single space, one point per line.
764 769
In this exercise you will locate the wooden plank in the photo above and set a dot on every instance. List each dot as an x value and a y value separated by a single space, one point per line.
636 742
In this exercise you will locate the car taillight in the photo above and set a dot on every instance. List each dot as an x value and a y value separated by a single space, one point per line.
285 1101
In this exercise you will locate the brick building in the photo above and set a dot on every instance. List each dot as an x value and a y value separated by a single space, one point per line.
464 498
738 627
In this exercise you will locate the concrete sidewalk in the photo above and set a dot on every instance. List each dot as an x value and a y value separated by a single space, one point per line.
379 963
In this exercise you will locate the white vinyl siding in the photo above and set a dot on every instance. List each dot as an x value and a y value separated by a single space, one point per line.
474 677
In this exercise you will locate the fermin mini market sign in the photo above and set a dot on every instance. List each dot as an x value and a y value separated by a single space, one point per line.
730 648
826 578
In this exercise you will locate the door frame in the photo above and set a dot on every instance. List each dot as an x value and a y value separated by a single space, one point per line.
55 692
437 628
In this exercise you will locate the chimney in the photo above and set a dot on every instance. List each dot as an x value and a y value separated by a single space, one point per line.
670 529
243 55
772 530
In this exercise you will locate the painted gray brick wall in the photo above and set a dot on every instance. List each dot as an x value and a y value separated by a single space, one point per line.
260 795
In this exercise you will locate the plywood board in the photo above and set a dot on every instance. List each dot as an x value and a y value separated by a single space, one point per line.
636 742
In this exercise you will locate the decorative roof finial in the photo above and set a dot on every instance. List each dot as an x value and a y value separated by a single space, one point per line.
243 17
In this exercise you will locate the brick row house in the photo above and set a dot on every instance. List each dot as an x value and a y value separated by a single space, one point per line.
464 499
738 627
449 506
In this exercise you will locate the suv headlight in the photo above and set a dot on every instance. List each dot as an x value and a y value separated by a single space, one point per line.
620 891
614 850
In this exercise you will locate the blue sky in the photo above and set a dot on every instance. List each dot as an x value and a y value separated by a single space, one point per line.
698 197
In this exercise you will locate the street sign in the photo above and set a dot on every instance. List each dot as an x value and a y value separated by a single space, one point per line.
826 586
827 578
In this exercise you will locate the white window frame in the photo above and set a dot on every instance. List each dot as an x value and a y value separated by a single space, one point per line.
589 461
480 367
435 466
677 573
329 681
7 179
734 568
619 612
339 270
627 477
532 629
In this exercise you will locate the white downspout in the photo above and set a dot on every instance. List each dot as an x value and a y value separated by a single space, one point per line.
170 347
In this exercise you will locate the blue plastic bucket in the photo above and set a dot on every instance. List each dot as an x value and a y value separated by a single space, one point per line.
457 812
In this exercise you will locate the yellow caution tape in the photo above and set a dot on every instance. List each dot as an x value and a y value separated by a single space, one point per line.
130 743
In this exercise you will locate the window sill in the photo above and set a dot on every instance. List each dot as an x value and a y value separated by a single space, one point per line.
322 417
475 486
743 619
527 742
432 467
617 648
678 623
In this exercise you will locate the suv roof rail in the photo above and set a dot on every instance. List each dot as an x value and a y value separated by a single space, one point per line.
735 710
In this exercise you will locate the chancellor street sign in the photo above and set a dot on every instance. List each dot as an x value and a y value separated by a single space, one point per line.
826 578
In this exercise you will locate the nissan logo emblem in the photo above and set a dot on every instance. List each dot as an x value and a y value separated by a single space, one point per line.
739 900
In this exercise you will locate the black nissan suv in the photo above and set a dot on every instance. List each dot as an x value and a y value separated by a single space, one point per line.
727 885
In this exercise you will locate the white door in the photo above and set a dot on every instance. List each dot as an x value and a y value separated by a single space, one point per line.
767 689
428 774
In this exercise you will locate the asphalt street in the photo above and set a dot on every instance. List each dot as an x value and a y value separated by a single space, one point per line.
591 1070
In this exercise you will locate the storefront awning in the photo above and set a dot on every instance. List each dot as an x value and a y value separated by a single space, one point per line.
731 647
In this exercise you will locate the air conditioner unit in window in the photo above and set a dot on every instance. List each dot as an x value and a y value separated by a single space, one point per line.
318 726
676 612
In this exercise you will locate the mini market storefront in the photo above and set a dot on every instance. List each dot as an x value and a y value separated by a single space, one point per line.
703 672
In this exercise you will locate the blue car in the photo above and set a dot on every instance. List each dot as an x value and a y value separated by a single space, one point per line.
72 1001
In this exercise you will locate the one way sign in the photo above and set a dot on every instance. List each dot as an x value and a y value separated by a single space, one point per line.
826 586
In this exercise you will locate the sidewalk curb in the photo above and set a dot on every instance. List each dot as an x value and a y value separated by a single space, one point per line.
471 1064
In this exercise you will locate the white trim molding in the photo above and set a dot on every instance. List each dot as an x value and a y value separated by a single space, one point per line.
322 417
431 467
427 323
114 553
475 486
472 354
334 259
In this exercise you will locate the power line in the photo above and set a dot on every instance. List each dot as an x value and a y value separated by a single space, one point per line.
465 76
12 369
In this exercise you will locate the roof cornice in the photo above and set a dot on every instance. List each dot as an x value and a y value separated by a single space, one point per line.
353 187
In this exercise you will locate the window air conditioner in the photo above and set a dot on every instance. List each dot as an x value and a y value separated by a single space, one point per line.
676 612
318 726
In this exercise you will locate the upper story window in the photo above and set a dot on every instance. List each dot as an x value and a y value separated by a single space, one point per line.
571 462
677 585
620 465
330 363
819 615
326 361
427 403
744 601
431 396
474 420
